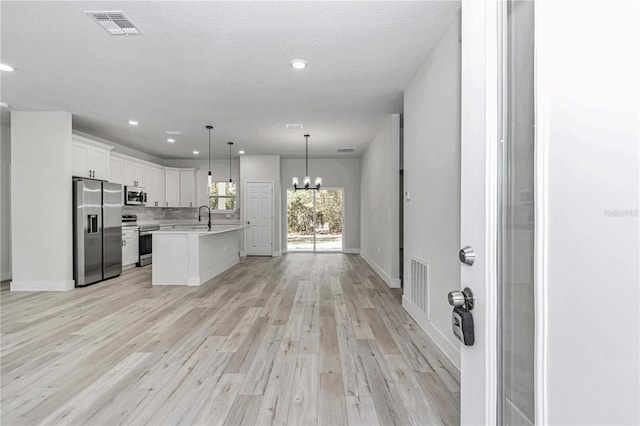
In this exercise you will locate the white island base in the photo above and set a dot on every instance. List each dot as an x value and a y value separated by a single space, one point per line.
193 257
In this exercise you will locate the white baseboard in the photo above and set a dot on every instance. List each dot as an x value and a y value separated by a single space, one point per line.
449 349
42 285
243 254
5 276
351 251
391 282
277 253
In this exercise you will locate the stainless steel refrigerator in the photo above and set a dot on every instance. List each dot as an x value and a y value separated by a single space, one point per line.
97 231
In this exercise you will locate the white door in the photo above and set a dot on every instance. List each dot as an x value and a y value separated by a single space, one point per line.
497 211
259 219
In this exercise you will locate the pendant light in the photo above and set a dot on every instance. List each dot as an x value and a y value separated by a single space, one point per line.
209 178
306 183
230 144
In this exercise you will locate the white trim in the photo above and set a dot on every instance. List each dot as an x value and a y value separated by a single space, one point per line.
277 253
91 142
352 251
42 285
5 276
449 349
391 282
541 185
243 254
491 212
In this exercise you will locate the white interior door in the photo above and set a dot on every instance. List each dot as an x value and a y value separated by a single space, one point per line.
478 372
259 218
498 220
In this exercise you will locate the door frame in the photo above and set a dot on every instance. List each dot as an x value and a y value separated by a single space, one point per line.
482 41
244 210
286 227
479 206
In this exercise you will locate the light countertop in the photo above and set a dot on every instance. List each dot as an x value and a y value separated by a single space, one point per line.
215 229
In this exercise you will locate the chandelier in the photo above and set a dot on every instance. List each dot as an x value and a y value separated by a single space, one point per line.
306 182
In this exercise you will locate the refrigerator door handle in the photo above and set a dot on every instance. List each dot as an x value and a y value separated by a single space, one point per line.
92 221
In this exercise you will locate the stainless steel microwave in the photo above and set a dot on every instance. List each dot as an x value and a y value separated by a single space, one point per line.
135 196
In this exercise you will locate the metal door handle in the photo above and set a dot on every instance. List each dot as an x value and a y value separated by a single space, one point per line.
462 298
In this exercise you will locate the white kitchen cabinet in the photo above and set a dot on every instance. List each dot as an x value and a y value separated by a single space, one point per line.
159 185
133 173
90 159
117 170
153 178
188 195
129 247
172 187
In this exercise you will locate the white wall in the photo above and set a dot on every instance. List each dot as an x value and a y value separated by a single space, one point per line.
335 173
264 168
587 137
41 210
379 199
5 202
432 177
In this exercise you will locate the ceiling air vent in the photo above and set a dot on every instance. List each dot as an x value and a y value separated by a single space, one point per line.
115 22
346 149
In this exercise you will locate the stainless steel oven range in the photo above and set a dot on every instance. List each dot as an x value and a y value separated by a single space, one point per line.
145 244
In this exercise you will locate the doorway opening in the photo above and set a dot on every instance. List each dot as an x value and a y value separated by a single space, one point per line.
315 220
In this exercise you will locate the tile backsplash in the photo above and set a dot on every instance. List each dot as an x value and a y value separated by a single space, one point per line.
173 213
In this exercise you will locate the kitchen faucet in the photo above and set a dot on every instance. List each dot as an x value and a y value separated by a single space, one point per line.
209 216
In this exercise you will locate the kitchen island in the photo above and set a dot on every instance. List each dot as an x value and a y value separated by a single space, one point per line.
193 256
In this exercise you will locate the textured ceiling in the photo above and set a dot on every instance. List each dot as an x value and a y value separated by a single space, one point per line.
224 63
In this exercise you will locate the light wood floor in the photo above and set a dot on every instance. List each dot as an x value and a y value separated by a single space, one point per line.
300 339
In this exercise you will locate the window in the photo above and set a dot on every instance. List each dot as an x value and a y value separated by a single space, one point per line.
222 196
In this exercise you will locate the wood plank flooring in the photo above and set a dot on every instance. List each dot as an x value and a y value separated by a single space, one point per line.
302 339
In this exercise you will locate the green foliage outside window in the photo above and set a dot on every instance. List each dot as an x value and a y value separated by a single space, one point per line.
328 211
222 196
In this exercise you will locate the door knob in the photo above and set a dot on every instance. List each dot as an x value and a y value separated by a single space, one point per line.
248 223
462 298
467 255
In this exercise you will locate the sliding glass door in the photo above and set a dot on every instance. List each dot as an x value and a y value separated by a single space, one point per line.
315 220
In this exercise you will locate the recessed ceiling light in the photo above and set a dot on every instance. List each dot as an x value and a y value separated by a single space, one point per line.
171 140
4 105
196 152
299 64
240 152
133 122
4 67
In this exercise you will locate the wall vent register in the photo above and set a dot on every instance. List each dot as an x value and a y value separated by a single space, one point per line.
420 284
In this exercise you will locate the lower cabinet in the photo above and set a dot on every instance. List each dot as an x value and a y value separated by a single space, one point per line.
129 248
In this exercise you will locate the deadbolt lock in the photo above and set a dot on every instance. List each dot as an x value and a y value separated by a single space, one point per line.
467 255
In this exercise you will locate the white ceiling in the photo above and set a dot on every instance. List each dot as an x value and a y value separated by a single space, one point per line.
221 63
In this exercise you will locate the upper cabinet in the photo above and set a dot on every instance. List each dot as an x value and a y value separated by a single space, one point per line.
172 187
153 178
117 170
188 195
133 173
90 159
